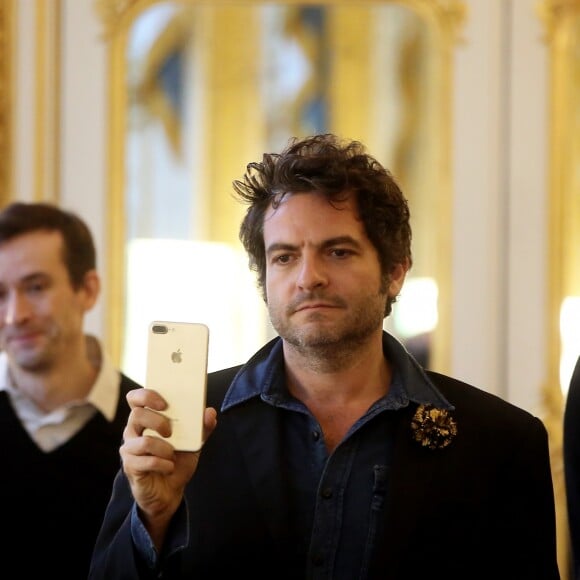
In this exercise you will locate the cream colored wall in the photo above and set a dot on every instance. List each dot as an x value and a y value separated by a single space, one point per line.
84 128
477 170
80 141
500 160
24 104
527 213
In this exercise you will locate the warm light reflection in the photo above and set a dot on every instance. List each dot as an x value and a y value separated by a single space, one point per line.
415 317
415 311
570 337
179 280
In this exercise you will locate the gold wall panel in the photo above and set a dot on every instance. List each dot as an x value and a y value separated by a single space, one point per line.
562 23
6 98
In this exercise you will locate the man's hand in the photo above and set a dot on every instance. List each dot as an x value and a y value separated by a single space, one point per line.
156 472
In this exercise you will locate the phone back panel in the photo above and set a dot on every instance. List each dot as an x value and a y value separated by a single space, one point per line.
177 355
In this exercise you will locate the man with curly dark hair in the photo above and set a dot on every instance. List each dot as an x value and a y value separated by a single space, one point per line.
332 454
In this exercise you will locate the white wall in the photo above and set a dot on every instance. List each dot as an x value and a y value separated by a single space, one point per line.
528 209
84 127
500 226
478 176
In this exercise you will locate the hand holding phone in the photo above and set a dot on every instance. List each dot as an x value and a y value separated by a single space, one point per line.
177 369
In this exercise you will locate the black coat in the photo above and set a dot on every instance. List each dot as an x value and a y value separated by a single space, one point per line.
53 503
572 464
481 508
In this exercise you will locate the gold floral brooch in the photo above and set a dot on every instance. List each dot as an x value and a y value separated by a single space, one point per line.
432 427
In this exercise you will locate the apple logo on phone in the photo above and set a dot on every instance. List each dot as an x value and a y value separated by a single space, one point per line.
176 356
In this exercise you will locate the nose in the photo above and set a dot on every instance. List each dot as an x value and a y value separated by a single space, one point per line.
312 273
15 308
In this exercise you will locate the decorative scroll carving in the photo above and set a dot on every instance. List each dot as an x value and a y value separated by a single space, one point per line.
5 101
555 12
112 12
451 13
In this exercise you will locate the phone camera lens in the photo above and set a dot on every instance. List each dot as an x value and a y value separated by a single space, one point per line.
160 329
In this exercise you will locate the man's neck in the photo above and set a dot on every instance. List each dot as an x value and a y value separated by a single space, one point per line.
338 398
64 382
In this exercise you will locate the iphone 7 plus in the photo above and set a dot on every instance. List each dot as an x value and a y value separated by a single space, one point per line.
177 369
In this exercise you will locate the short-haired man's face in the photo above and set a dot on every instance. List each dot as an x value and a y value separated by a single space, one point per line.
41 314
323 277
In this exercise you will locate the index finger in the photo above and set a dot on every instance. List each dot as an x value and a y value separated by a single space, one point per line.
144 397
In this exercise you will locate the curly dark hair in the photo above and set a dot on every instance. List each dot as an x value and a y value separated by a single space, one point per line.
334 167
79 254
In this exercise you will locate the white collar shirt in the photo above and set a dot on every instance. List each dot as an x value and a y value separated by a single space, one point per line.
51 430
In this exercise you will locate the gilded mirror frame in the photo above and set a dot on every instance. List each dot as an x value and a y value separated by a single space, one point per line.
7 10
561 19
46 107
444 17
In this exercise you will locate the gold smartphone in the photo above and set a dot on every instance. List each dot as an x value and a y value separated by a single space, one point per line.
177 369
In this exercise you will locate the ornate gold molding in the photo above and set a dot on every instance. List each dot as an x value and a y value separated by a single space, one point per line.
561 21
112 12
6 88
555 12
451 13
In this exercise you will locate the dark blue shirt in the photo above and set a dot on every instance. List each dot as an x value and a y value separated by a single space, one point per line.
338 499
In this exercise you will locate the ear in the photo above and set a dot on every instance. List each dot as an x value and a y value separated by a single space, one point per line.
90 289
397 278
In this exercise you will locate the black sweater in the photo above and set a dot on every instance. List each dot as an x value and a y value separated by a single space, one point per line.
52 504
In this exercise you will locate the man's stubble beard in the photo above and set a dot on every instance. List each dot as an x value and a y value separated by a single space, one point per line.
333 342
38 359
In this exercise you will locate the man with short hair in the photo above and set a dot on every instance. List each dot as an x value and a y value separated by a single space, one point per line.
62 402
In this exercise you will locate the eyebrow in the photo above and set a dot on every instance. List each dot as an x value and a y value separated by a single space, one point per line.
34 277
338 241
36 274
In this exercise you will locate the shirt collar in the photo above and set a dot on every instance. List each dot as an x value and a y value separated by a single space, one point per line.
105 392
263 375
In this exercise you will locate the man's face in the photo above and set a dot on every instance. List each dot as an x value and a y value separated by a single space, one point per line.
41 314
323 277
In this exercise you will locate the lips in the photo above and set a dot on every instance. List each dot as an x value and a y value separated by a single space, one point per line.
314 306
22 339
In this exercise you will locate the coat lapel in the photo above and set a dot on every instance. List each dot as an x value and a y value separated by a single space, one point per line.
412 471
258 430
